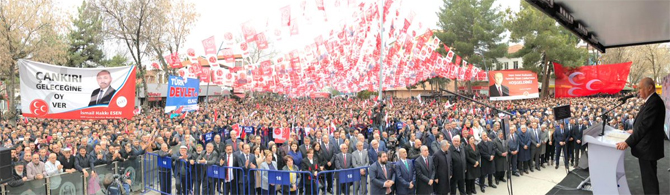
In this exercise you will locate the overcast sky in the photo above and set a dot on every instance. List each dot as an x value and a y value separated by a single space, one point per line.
219 16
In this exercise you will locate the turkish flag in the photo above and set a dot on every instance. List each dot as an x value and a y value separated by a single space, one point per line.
277 135
590 80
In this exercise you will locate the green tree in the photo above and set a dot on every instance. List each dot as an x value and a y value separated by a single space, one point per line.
116 61
85 38
544 41
473 29
29 29
131 23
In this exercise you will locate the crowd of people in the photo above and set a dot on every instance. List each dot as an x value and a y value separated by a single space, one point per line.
402 146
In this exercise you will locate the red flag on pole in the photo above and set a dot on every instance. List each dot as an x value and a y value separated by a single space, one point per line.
589 80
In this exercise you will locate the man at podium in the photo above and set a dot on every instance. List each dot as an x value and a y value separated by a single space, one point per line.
646 141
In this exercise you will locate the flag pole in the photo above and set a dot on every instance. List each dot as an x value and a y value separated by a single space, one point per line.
381 60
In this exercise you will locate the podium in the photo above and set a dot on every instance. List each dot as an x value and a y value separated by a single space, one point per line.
606 163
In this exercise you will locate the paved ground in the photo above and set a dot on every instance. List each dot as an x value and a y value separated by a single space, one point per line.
535 183
538 182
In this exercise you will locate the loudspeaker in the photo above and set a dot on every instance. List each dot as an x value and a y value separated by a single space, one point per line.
561 112
5 165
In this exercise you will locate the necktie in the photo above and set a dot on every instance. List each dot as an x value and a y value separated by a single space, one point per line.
406 166
327 148
537 137
100 96
307 147
227 172
345 160
426 160
234 146
500 91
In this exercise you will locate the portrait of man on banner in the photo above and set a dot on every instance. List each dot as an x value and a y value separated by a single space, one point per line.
498 89
105 93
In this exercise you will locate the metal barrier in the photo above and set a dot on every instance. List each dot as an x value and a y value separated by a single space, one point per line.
27 187
103 173
288 182
225 180
340 181
132 168
66 183
151 172
157 173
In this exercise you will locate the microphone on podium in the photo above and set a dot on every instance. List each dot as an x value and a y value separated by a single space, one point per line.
623 99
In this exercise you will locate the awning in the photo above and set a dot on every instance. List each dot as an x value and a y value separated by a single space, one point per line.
612 23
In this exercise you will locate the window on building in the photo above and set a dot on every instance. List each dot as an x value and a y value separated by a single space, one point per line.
238 63
516 64
506 65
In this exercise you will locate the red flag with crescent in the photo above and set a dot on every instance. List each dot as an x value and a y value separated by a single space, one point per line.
590 80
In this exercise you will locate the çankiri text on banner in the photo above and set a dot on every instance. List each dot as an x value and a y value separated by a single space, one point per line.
50 91
590 80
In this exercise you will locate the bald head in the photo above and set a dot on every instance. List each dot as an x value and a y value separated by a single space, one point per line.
646 88
647 82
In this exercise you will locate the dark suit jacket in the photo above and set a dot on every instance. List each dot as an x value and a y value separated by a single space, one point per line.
442 163
241 161
458 163
235 149
561 136
646 142
328 156
303 150
577 134
404 177
105 97
424 173
372 155
220 147
340 163
224 157
377 178
213 157
500 147
180 166
493 91
305 165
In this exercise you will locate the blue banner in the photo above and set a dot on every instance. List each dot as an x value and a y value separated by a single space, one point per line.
216 172
279 177
182 94
208 137
349 176
248 129
164 162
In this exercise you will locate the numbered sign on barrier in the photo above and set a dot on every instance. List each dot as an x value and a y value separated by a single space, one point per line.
350 176
216 172
164 162
277 177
